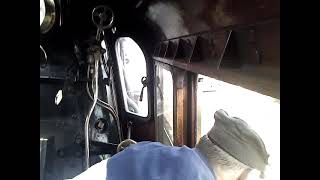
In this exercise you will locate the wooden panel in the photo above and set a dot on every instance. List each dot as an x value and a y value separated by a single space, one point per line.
180 118
192 110
180 107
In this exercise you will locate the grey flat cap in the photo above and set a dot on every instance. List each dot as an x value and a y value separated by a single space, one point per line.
236 138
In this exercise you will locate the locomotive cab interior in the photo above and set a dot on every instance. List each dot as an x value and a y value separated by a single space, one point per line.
114 73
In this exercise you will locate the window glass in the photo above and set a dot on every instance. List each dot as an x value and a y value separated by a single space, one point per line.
132 69
164 92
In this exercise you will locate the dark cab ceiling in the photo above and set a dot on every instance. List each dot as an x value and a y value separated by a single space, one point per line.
175 18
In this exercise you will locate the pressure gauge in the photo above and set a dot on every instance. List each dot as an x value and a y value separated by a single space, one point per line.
42 11
47 15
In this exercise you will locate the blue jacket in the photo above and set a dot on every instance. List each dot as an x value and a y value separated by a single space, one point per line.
153 160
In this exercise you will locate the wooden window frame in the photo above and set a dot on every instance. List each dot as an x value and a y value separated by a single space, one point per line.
184 106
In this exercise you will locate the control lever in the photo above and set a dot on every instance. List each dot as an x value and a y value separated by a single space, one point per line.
129 129
124 144
144 84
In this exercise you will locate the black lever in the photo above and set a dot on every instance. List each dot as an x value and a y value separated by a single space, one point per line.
144 84
129 125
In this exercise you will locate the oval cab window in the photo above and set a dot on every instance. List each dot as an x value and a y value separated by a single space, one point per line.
133 73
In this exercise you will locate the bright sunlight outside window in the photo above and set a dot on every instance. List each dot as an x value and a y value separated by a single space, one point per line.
261 112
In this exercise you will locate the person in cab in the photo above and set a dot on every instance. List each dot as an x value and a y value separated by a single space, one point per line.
229 151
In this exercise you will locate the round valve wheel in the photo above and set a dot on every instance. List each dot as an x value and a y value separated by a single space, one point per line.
124 144
102 17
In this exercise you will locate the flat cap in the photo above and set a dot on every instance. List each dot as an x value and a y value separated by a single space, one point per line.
236 138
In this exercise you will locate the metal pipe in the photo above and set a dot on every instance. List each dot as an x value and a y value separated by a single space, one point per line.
45 56
107 106
43 154
167 134
95 98
129 129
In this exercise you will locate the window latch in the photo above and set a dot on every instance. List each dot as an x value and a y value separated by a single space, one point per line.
144 84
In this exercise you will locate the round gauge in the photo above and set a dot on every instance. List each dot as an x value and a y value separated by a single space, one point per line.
47 21
42 11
